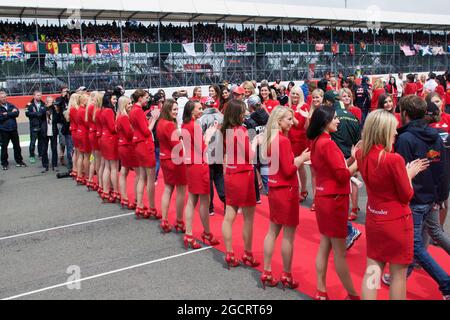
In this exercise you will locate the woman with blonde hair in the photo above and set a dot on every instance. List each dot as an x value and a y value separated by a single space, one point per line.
127 154
70 116
84 147
283 195
95 102
297 134
249 89
197 94
346 97
389 189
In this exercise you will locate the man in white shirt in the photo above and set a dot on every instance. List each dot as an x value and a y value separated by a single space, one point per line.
182 100
400 84
431 84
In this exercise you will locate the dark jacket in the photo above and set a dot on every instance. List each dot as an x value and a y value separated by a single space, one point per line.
349 130
362 98
256 123
8 122
36 115
61 104
51 112
417 141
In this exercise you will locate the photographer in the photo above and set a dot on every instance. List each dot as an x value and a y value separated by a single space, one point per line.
36 113
61 104
49 133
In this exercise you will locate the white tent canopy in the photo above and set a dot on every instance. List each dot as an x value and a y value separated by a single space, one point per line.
220 11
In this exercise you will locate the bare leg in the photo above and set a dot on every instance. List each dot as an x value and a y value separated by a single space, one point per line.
136 181
249 215
303 178
322 262
86 164
204 211
371 280
354 197
100 173
123 183
97 164
397 289
287 247
269 244
227 227
165 201
80 165
189 212
181 195
313 181
341 265
107 176
142 177
92 167
151 186
114 175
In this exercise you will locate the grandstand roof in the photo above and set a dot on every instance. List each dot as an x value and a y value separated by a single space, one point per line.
219 11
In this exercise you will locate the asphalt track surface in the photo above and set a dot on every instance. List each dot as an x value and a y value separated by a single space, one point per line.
51 231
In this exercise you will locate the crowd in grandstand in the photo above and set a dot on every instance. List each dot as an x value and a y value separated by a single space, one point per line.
335 127
213 33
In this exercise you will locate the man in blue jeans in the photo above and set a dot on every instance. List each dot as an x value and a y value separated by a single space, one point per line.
417 141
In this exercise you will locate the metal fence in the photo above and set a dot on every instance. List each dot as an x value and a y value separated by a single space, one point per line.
167 65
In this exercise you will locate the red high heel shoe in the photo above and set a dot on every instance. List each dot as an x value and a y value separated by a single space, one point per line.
107 198
287 281
116 197
153 213
320 295
90 185
80 181
210 238
353 214
100 191
303 195
350 297
231 260
249 260
95 186
189 241
124 203
140 212
268 280
132 206
166 227
180 226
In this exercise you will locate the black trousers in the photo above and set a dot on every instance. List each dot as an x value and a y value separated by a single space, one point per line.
35 135
5 138
216 178
54 148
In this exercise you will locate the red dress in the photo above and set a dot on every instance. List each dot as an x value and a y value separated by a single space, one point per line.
142 138
375 96
410 89
127 154
74 127
297 134
109 140
283 184
441 91
197 169
356 112
93 141
239 174
332 187
98 128
420 91
389 223
171 153
271 104
393 92
83 130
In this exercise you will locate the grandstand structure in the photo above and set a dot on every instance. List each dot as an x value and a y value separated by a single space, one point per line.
46 65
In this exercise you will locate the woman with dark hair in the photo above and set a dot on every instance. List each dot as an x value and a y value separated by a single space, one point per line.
332 199
239 182
441 89
110 151
214 92
196 94
267 100
145 153
225 97
174 170
391 88
197 172
410 87
386 102
289 88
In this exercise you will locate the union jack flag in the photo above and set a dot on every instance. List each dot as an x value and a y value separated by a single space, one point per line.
109 49
242 47
11 50
229 46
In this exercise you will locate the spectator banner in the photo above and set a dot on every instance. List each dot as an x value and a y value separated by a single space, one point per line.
90 49
426 51
437 51
241 47
190 49
311 70
320 46
52 47
335 48
351 48
208 48
11 50
408 51
229 47
109 49
76 49
198 67
30 46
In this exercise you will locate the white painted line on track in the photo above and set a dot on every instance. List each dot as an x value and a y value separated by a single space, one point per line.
66 226
105 274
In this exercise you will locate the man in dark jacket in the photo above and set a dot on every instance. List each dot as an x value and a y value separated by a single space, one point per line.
256 123
8 132
362 97
417 141
36 113
61 104
49 133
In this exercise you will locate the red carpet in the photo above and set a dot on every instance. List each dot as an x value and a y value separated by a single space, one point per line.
420 286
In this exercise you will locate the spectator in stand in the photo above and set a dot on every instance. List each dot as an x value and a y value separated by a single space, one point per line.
391 89
197 94
410 87
8 132
35 111
49 133
385 102
378 90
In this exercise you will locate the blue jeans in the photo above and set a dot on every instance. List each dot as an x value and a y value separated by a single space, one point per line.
421 255
69 151
158 162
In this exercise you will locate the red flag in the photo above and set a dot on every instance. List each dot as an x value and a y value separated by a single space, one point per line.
76 49
335 48
30 46
90 49
352 49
